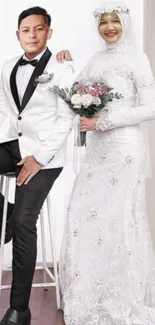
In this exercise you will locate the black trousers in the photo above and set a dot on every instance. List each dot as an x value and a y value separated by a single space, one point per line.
28 202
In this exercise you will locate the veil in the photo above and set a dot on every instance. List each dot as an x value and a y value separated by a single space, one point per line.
123 12
127 38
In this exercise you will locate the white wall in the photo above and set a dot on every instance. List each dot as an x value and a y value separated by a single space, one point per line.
149 48
73 26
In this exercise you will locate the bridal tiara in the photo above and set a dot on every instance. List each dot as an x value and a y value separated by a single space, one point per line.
108 8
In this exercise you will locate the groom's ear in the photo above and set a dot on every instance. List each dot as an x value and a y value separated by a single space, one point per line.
50 32
17 34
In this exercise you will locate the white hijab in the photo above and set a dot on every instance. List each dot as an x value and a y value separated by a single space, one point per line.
123 12
125 42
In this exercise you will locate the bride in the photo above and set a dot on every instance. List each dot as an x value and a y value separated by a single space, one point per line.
107 255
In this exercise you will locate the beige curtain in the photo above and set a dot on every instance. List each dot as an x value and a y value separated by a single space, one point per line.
149 48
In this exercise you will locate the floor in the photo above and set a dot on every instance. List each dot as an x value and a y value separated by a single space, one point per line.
42 303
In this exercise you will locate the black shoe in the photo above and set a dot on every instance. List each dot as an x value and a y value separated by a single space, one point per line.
14 317
9 224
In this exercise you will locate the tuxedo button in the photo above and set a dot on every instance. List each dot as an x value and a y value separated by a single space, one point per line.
19 134
19 118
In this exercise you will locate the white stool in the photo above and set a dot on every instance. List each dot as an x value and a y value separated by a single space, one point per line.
4 186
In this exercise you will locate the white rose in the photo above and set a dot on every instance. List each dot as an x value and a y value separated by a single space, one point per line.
96 101
76 100
87 100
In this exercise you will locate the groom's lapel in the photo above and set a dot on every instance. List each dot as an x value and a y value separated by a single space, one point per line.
13 85
36 73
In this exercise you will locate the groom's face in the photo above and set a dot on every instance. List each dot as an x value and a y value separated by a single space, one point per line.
33 34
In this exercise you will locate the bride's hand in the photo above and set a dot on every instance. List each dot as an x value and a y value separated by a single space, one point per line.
88 123
64 56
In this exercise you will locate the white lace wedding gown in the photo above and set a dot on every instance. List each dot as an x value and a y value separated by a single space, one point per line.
107 255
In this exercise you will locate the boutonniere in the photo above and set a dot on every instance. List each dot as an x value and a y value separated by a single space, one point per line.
44 78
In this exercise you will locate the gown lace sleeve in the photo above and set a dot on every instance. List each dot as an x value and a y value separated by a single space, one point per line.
145 111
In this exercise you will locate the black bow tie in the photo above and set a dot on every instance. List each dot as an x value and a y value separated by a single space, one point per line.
32 62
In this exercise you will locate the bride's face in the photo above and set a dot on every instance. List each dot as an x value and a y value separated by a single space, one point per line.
110 28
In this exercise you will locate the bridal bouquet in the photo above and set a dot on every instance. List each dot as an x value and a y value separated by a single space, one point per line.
86 99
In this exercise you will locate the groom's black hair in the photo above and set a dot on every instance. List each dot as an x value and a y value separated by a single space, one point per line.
35 11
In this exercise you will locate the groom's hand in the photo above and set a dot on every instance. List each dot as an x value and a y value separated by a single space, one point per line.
30 168
64 56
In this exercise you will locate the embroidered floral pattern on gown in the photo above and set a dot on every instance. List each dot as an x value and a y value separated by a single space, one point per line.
107 256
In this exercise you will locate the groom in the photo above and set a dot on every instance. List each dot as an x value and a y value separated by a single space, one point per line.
34 126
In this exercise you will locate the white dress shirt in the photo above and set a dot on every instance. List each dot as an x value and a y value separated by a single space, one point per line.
24 74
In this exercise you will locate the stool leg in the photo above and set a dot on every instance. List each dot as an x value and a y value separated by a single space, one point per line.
49 211
2 183
6 193
43 243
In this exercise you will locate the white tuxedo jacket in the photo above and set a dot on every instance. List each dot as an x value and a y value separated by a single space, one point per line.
42 122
